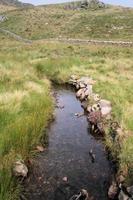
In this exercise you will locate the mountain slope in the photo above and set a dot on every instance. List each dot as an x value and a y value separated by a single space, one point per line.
14 3
55 21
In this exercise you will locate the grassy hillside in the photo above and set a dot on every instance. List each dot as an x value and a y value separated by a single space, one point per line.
16 3
57 21
5 8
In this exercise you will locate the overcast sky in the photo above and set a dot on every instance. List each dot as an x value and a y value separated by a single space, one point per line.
115 2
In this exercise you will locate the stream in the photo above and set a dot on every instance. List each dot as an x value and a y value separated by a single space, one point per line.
67 155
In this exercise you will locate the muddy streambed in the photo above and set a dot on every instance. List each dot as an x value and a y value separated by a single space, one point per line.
68 156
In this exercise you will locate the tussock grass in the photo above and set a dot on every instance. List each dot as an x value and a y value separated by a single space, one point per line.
25 108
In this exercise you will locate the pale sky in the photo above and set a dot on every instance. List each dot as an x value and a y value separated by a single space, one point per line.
128 3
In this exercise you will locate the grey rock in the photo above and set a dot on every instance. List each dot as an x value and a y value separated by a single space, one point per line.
105 106
20 169
123 196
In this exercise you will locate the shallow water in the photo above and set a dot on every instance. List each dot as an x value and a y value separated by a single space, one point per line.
67 155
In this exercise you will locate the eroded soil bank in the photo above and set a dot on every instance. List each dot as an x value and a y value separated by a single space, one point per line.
67 155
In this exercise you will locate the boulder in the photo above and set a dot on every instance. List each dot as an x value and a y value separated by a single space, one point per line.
104 103
82 85
82 97
88 90
79 92
20 169
106 110
105 106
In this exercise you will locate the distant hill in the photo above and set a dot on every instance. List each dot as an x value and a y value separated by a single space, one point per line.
14 3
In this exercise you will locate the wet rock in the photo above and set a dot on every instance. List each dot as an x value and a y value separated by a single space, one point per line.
65 179
84 105
83 195
82 94
20 169
79 114
82 97
113 190
92 155
79 92
60 106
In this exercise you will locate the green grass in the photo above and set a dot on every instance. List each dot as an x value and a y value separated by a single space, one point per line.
56 21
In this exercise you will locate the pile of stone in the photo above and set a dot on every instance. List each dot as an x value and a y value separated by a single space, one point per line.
98 113
97 109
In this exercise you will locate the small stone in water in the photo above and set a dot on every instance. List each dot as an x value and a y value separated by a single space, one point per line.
79 114
65 179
